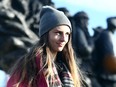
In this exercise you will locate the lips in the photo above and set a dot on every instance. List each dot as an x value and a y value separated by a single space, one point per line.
60 45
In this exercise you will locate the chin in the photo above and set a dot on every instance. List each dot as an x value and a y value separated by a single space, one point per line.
60 49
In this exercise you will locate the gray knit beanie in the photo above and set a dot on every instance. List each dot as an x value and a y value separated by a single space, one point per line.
50 18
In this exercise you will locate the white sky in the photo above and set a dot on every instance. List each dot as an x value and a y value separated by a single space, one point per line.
103 5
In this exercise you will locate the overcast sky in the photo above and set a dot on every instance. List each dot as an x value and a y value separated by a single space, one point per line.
100 5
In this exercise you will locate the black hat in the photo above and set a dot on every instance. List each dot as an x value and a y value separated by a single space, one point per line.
111 21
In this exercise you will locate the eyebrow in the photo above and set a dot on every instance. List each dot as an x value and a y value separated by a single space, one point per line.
62 31
58 29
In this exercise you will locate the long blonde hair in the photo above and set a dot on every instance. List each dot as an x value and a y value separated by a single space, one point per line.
27 67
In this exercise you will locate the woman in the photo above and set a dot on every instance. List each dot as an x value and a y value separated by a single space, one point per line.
50 63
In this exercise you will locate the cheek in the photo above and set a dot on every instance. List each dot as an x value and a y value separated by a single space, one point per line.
52 39
55 38
67 39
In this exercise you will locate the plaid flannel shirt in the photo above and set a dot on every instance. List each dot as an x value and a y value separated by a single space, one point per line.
62 75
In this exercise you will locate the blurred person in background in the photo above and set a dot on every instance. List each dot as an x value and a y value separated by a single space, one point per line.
105 60
83 43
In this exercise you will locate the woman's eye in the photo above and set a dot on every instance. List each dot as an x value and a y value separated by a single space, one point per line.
67 34
57 33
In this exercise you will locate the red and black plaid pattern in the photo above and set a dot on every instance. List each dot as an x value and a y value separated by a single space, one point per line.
66 77
62 76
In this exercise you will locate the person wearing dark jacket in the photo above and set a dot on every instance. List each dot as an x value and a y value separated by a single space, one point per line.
82 41
105 64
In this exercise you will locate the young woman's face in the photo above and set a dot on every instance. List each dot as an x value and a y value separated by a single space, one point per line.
58 37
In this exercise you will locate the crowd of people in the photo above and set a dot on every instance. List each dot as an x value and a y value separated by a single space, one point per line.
29 33
95 54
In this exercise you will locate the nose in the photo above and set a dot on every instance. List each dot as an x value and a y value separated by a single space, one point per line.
63 38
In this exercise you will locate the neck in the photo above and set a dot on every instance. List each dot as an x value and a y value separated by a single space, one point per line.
54 54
